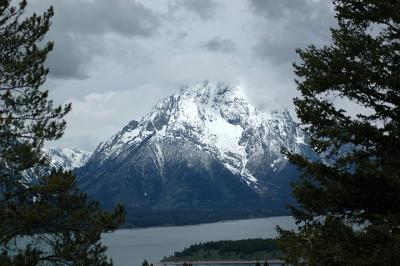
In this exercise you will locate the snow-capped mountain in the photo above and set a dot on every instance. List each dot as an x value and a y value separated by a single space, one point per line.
205 141
67 158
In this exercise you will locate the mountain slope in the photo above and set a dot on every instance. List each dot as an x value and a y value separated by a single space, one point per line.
204 147
67 158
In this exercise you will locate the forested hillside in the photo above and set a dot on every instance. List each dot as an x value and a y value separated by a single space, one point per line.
247 249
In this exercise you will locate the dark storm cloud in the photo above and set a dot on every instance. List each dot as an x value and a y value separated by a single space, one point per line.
218 44
125 17
297 23
66 61
205 9
79 28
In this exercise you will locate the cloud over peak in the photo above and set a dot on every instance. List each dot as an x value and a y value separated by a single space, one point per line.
290 24
114 59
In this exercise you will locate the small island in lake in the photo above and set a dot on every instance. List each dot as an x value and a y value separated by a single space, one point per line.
224 250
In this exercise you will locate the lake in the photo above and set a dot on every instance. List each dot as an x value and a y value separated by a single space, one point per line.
129 247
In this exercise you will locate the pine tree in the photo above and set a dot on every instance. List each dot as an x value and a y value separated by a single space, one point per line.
48 221
348 208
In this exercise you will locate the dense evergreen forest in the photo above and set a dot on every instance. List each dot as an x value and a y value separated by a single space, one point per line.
247 249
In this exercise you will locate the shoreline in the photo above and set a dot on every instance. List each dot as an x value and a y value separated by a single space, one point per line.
205 223
132 246
274 261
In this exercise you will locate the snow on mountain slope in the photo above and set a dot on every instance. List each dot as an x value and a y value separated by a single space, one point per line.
67 158
220 120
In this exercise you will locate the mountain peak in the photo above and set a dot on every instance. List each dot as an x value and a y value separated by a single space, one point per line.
67 158
209 99
214 91
203 146
218 119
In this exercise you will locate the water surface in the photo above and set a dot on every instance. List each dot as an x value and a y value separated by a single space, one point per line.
129 247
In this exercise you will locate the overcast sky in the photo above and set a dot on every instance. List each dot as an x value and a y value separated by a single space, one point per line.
113 59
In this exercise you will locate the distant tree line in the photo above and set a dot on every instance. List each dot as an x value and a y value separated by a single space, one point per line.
147 217
229 249
247 246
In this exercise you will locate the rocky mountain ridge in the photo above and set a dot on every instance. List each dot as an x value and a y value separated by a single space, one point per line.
219 120
67 158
